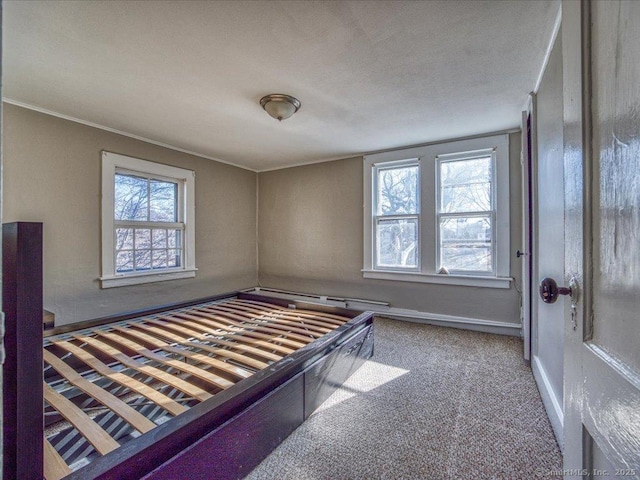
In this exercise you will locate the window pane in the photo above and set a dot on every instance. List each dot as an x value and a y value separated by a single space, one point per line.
159 259
143 259
397 242
124 262
174 259
158 238
143 238
164 198
173 237
475 197
124 238
397 191
130 200
465 185
465 244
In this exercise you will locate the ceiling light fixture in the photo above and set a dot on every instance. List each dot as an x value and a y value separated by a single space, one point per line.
280 106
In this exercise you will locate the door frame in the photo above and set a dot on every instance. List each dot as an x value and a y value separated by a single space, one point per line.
554 406
526 162
530 209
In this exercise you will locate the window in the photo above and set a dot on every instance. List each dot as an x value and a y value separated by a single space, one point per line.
396 217
147 221
466 215
439 213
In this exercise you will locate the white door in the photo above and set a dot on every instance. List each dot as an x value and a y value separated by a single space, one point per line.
548 237
601 54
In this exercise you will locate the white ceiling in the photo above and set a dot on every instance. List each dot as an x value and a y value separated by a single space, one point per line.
371 75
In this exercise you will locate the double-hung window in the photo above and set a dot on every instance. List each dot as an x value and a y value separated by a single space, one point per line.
466 213
396 216
439 213
147 221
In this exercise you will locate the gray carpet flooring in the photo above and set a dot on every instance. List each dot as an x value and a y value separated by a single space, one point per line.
432 403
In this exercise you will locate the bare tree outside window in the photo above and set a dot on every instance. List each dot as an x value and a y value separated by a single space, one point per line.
397 217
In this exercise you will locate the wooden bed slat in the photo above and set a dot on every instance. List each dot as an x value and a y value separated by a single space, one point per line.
195 330
252 362
188 328
208 335
120 408
280 324
253 331
285 318
234 333
320 325
54 466
258 352
215 380
281 349
152 394
242 336
217 364
206 359
153 372
243 320
184 328
157 331
134 331
94 433
337 319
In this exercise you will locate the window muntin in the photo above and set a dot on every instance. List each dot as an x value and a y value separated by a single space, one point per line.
466 215
148 213
396 220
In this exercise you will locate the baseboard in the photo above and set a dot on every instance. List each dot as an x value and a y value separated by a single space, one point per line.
549 400
465 323
383 309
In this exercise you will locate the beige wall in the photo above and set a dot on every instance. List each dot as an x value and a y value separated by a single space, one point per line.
52 175
311 240
310 226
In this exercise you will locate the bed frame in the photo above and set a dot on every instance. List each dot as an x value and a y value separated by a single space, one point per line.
209 387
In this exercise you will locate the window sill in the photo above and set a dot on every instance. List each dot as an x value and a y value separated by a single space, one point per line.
462 280
111 281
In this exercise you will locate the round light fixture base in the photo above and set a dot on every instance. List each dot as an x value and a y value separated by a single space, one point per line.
280 106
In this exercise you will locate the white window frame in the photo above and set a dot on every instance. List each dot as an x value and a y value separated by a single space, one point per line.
491 213
428 156
412 162
112 163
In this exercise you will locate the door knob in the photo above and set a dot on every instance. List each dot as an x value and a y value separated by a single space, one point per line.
549 290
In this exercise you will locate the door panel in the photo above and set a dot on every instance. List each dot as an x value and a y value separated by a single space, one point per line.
616 146
611 357
611 411
602 149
